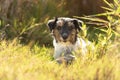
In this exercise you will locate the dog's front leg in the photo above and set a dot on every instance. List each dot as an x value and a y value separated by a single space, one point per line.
57 54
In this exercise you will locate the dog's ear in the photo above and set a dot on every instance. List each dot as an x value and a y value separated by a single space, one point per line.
52 23
77 23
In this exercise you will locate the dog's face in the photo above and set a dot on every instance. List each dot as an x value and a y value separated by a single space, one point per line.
64 29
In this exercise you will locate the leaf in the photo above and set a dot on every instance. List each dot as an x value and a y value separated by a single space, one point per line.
109 4
109 9
92 19
0 23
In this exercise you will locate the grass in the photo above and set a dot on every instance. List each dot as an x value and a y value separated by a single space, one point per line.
20 62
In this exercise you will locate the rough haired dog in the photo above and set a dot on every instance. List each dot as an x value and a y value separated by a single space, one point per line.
66 41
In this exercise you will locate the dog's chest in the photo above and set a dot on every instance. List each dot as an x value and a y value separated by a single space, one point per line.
68 47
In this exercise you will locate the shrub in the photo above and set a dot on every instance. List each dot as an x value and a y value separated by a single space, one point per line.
104 32
27 18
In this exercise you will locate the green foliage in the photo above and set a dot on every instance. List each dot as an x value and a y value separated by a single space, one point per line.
103 32
28 23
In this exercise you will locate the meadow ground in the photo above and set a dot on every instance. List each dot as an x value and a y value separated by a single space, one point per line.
19 62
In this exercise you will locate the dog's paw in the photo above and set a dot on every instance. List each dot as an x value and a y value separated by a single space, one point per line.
66 59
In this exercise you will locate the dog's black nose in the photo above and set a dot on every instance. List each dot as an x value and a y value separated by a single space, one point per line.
64 35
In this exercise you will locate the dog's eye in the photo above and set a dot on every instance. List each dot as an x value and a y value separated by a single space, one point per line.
59 28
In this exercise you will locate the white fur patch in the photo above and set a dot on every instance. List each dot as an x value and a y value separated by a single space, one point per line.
63 47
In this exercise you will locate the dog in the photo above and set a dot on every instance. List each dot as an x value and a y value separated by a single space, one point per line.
65 40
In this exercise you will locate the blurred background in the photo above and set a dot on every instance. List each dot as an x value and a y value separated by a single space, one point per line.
26 20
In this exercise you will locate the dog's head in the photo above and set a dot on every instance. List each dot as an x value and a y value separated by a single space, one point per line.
65 29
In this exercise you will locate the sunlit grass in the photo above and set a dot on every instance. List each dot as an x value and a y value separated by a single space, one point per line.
19 62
